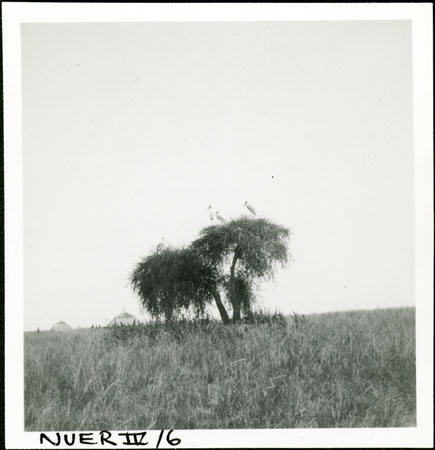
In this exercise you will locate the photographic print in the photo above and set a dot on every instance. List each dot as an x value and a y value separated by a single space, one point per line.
218 225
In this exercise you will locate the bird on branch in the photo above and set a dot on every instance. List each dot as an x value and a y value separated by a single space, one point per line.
210 213
250 208
220 218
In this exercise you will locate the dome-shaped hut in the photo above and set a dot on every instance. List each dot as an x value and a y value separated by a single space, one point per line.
124 318
61 326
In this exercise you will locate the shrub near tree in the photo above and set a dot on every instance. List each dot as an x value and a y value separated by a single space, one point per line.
224 266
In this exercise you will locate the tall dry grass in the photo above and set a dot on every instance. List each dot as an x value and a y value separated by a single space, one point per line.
350 369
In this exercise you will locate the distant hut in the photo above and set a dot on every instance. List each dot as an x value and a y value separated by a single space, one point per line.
61 326
124 318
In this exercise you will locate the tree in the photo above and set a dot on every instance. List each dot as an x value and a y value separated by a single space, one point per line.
242 252
171 280
229 258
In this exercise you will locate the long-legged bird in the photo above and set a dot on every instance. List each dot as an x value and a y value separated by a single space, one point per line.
250 208
220 218
210 213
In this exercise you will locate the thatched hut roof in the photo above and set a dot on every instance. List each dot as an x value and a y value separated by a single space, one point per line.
61 326
123 318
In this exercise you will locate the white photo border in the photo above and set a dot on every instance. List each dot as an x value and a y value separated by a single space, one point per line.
14 14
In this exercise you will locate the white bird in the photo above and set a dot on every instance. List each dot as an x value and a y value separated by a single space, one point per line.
250 208
218 217
210 212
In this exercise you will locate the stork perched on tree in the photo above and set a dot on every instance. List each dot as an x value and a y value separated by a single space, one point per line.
220 218
250 208
210 212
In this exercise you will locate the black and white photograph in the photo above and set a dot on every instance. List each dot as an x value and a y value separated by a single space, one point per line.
218 225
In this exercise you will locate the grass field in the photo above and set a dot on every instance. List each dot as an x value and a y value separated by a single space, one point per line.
347 369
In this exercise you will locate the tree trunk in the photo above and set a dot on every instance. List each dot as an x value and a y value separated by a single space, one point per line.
221 307
237 317
233 292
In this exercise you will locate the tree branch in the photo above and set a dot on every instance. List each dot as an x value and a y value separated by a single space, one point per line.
233 294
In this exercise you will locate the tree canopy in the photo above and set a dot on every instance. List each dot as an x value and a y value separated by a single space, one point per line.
225 261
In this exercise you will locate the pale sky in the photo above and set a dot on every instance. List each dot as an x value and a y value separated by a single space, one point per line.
131 130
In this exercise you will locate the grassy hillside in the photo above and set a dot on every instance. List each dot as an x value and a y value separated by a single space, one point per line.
349 369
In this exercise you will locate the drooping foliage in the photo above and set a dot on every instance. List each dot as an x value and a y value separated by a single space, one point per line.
229 259
244 291
257 243
171 280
